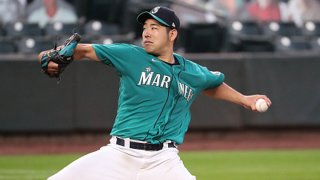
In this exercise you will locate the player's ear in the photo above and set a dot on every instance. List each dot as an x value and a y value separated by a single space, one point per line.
173 34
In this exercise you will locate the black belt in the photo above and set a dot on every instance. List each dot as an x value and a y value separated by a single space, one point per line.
144 146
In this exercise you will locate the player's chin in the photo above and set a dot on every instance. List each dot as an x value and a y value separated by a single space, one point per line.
149 49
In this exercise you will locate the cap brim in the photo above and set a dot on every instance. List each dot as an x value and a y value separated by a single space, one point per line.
142 17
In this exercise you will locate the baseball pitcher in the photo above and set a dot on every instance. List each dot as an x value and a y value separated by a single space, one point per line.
157 88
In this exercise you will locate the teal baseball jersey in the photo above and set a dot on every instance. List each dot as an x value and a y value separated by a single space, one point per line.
154 97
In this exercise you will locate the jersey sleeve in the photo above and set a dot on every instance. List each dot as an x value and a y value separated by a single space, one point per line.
214 78
116 55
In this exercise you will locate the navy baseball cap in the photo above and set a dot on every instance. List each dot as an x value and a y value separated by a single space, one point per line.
163 15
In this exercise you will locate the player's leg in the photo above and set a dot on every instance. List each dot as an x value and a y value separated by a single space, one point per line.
106 163
166 165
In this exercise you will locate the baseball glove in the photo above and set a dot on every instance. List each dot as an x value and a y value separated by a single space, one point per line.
63 56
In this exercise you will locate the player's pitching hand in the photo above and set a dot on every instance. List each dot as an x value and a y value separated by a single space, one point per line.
249 102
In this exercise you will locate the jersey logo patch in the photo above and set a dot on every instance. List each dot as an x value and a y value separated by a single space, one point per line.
148 69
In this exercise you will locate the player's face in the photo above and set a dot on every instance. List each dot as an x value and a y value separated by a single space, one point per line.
155 38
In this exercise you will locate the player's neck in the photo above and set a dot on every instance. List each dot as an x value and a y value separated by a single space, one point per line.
167 57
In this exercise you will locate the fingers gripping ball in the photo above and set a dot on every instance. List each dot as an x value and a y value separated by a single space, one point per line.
63 57
261 105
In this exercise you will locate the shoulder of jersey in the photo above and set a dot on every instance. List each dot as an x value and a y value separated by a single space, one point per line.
135 47
188 62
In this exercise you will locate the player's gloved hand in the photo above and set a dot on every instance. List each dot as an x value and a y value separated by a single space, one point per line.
62 56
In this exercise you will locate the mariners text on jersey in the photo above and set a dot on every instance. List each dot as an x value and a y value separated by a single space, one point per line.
153 79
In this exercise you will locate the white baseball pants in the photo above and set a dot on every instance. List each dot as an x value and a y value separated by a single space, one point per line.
115 162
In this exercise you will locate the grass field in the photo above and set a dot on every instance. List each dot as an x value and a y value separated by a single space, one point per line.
214 165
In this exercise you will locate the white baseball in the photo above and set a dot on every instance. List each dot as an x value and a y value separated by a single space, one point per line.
262 105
